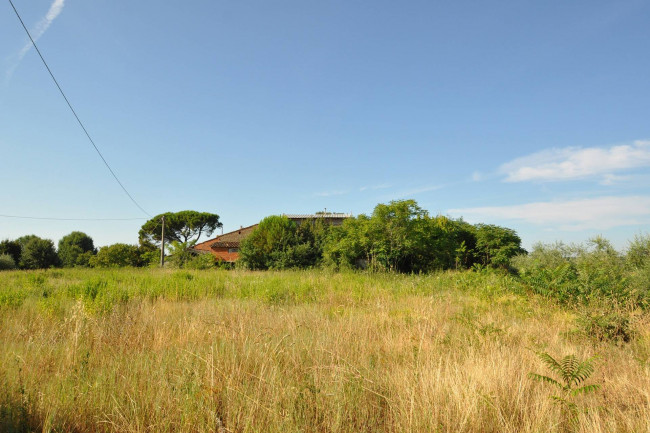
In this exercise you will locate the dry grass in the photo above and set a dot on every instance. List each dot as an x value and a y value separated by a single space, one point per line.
332 353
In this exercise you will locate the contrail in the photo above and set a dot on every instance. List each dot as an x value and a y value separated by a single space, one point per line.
55 9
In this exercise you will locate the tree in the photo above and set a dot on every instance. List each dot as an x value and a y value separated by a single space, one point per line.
638 253
117 255
76 249
496 245
7 262
399 236
11 248
185 227
180 254
268 244
348 246
397 233
38 253
24 239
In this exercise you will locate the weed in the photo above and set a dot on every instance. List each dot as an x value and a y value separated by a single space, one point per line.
571 374
606 326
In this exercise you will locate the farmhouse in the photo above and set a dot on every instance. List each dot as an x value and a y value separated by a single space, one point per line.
225 247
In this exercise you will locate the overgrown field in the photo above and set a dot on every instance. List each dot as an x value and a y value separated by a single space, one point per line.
132 350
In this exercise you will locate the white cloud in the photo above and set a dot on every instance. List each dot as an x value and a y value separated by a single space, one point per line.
593 213
575 163
41 27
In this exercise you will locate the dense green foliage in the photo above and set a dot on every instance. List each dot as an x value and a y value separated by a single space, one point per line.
11 248
279 243
398 236
579 274
401 236
76 249
495 245
118 255
7 262
38 253
184 226
201 261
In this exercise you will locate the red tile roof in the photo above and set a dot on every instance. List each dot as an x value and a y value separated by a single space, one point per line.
226 240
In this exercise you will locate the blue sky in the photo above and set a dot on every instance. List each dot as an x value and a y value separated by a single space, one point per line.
533 115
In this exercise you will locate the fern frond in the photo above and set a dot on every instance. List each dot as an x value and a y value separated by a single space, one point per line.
550 362
569 364
540 378
587 389
584 370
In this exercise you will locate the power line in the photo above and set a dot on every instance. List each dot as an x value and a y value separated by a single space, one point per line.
74 112
69 219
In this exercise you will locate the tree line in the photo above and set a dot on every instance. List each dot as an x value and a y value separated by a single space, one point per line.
77 249
399 236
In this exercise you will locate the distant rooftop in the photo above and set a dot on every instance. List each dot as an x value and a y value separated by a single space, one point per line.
318 215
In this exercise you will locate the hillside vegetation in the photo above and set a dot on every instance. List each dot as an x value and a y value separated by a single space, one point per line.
134 350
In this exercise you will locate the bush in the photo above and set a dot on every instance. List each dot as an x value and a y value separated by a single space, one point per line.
117 255
180 254
38 253
201 261
638 263
11 248
638 253
582 274
606 326
279 243
7 262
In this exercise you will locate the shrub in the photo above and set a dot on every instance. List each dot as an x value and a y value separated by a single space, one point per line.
638 253
38 253
201 261
607 326
279 243
582 274
180 254
7 262
11 248
637 260
117 255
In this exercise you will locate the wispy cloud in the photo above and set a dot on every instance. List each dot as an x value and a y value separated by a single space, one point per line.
375 187
415 191
576 163
593 213
612 179
331 193
41 27
477 176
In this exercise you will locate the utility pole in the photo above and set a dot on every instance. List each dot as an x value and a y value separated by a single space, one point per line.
162 244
